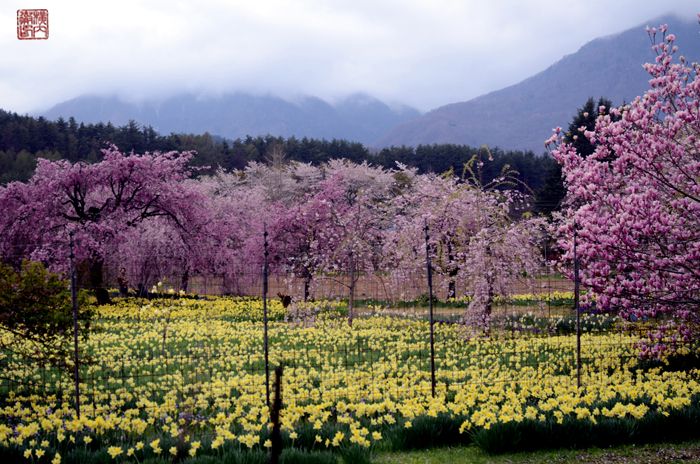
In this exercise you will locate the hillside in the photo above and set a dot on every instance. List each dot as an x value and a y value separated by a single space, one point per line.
359 118
521 117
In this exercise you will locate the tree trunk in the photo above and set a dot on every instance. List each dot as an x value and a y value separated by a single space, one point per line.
351 301
185 280
97 281
488 306
141 290
123 283
307 284
489 301
452 286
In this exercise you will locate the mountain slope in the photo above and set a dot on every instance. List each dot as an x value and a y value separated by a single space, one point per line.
522 116
358 118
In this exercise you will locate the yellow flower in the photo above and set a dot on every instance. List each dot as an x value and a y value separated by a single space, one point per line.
56 459
155 444
114 451
39 453
218 441
173 450
337 438
27 453
466 425
196 445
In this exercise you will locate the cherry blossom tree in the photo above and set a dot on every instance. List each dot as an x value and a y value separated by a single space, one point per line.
336 233
635 202
296 239
149 252
232 244
353 240
145 214
501 252
280 196
96 202
474 240
441 203
331 223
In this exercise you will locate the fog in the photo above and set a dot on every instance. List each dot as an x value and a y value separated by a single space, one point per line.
423 53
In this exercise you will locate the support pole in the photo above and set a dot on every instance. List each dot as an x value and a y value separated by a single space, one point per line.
276 435
265 336
74 301
430 303
351 299
578 311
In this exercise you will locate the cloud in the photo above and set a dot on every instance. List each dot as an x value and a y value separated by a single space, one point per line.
422 52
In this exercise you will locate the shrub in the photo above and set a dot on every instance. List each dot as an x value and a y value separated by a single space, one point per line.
36 305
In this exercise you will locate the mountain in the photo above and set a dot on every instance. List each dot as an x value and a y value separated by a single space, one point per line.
359 117
522 116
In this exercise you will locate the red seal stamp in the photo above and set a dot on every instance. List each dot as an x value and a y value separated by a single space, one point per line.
32 24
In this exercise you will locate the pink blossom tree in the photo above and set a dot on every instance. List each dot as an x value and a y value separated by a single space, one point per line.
282 196
501 252
635 202
333 229
296 239
444 205
149 252
473 240
353 240
231 245
97 203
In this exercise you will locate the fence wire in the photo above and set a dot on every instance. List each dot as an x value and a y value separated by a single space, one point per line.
167 361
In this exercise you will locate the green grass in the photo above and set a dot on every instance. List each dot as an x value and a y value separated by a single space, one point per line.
657 453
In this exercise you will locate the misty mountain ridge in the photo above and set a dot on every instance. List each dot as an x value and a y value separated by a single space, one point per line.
518 117
523 115
358 117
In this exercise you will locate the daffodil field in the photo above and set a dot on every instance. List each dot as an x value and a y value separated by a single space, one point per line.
184 379
391 318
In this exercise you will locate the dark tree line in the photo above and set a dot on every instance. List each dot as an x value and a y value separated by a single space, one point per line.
441 158
24 139
552 192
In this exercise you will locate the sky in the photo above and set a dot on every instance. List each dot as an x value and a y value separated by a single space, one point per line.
423 53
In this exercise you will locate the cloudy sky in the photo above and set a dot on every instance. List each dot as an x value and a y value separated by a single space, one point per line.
424 53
